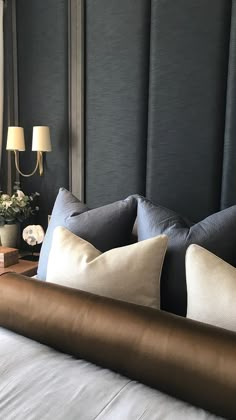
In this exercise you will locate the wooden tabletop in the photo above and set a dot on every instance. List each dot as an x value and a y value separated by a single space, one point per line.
27 268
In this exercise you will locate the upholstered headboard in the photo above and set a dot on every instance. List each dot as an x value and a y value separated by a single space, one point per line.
160 103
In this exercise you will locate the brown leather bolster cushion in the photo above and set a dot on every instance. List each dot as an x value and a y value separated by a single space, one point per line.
184 358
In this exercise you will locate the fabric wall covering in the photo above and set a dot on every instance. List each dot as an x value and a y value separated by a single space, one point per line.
42 31
1 79
160 100
8 173
161 103
117 73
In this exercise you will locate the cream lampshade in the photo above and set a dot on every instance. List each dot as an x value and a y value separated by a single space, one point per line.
41 141
15 139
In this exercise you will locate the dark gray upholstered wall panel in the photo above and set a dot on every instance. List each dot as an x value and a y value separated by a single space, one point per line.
186 95
10 116
117 72
6 119
228 196
188 75
43 91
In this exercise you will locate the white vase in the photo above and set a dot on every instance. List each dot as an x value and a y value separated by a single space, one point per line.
9 235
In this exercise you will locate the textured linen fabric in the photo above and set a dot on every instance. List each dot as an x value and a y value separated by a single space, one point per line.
116 78
42 76
37 382
106 227
188 80
211 288
215 233
131 273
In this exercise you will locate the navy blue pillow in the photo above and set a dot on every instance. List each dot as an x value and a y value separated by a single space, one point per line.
217 233
105 227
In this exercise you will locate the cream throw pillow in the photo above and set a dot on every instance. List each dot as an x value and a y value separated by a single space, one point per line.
130 273
211 288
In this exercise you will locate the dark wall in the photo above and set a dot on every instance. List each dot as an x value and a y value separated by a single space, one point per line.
189 58
42 29
7 177
117 74
159 82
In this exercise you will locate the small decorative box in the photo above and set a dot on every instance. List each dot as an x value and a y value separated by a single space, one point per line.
8 256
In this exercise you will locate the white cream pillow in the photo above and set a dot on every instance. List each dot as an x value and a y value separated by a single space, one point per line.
131 273
211 288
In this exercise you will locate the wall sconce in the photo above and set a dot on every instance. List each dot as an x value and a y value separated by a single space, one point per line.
41 142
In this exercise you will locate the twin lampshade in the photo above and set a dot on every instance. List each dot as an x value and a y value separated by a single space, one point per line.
41 141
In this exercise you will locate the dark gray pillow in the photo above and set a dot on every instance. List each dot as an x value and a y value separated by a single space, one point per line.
217 233
105 227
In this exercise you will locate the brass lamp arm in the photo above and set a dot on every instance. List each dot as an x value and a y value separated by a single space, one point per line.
39 164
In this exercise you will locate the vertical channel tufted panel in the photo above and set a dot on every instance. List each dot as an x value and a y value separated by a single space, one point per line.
228 196
188 79
117 72
42 32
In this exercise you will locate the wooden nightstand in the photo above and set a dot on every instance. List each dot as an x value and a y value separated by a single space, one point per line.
27 268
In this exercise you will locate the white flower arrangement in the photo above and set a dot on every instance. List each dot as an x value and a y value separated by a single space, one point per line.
17 207
33 234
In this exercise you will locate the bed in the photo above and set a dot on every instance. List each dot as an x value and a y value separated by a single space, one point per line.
163 129
69 354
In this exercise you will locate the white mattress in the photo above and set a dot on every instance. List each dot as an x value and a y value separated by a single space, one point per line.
37 382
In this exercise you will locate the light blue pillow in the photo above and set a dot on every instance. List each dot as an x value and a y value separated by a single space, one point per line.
65 206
